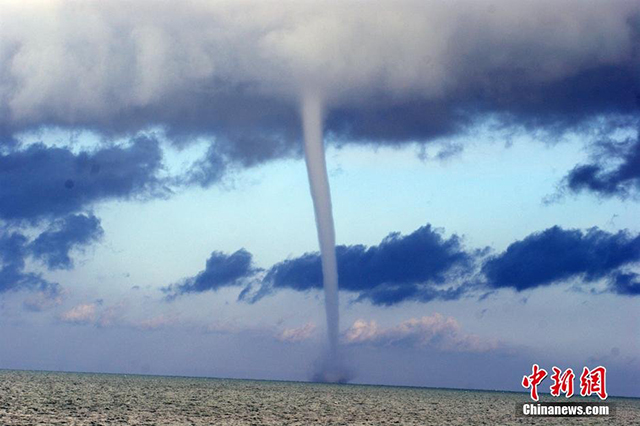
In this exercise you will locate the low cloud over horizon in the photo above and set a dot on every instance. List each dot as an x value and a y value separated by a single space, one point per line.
432 331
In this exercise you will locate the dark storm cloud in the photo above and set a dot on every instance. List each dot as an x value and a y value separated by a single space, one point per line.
53 245
555 255
621 180
249 129
221 270
13 251
206 171
555 106
397 72
41 181
400 268
627 284
424 266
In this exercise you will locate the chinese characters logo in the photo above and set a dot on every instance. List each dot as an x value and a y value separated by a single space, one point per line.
592 382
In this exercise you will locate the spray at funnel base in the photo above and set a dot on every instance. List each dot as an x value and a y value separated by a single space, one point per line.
319 183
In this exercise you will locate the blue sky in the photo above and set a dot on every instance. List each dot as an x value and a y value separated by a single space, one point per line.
133 225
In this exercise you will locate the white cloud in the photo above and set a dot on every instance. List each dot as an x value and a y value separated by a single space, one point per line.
434 331
95 314
80 314
159 321
298 334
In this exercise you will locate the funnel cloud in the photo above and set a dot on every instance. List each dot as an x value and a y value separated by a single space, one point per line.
321 194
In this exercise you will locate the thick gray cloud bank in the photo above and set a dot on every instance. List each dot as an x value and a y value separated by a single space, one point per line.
390 72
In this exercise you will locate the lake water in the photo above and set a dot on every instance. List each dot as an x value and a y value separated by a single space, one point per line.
47 398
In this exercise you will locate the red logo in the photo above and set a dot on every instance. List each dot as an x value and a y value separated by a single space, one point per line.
591 381
537 375
562 382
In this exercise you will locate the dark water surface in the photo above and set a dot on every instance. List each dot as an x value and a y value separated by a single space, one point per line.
47 398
